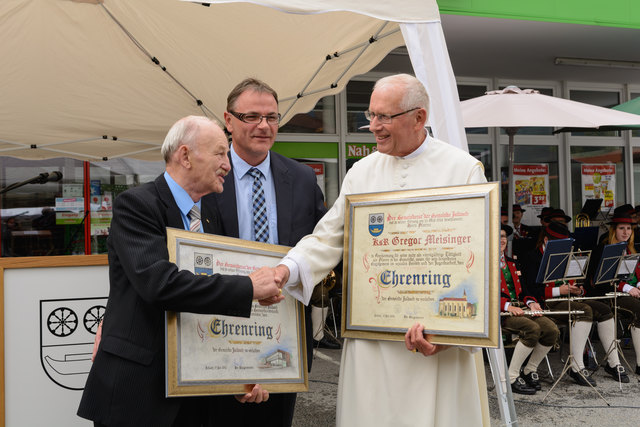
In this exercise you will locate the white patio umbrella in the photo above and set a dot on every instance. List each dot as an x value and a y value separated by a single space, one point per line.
512 108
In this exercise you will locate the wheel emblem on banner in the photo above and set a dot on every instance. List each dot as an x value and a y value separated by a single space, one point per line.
93 317
62 322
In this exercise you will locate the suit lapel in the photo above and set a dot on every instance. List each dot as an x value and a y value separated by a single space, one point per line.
174 219
227 206
284 198
208 215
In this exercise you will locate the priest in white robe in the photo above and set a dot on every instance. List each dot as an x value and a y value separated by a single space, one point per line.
385 383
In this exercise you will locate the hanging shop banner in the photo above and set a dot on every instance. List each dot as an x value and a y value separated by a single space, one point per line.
531 183
599 182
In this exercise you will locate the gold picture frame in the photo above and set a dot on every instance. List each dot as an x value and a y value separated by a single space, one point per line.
426 255
217 355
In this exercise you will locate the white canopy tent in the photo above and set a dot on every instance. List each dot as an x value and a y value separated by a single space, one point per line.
102 79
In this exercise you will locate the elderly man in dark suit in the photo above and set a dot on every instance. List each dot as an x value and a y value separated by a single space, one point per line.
126 385
293 202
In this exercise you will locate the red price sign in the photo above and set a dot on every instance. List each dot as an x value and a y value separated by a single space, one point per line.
539 199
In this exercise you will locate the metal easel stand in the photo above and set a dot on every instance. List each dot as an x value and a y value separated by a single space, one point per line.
499 371
615 344
571 358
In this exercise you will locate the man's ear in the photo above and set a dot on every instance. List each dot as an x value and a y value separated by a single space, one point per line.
182 155
421 118
227 122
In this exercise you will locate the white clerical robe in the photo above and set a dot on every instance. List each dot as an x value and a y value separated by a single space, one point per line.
381 382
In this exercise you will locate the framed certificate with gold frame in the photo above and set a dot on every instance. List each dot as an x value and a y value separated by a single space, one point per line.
427 256
210 354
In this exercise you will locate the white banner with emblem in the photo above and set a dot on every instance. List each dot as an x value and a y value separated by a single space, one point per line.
51 309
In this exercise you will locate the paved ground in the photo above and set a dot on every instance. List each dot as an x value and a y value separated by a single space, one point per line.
568 404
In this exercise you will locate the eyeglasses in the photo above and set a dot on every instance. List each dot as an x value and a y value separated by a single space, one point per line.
385 118
255 119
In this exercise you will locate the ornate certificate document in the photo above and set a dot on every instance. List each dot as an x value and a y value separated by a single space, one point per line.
215 354
428 256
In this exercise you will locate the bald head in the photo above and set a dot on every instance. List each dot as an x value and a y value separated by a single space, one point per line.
414 93
185 132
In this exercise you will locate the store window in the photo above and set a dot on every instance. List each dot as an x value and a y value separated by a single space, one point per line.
598 173
41 219
482 152
320 120
537 183
51 218
358 94
599 98
107 180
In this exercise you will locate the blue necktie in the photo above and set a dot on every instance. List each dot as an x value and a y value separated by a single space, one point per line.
260 224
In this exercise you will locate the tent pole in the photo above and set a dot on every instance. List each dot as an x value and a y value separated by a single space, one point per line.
510 197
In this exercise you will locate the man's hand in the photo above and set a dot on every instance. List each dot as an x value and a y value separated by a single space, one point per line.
515 311
634 292
96 341
575 290
282 275
264 285
256 395
534 306
415 341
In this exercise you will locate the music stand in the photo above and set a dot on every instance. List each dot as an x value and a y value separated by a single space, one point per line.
564 265
613 269
591 207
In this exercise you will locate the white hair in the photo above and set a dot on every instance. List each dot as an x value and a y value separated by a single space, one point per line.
415 94
184 132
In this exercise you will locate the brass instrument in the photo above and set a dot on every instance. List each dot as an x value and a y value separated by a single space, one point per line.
608 295
582 220
543 312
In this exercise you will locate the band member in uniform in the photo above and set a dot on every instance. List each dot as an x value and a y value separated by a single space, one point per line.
593 310
621 229
544 214
537 333
557 215
520 230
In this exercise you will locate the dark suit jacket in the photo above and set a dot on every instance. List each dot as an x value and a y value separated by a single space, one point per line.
299 200
126 385
300 205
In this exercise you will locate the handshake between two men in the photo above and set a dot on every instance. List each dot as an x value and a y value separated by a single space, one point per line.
268 283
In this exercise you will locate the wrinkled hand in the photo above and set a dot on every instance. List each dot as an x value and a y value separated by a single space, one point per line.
515 311
282 275
271 300
575 290
634 292
264 285
256 395
415 340
534 306
96 341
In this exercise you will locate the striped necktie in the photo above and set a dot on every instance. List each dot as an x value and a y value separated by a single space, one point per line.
260 224
194 217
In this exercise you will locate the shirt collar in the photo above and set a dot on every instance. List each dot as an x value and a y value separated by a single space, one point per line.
418 150
182 198
241 167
